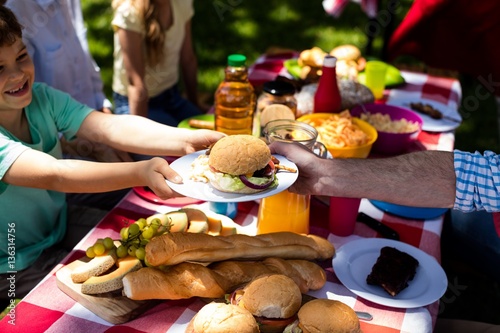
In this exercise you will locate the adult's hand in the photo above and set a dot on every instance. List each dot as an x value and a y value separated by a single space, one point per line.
309 165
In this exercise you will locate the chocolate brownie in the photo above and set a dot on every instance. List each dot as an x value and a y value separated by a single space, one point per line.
393 270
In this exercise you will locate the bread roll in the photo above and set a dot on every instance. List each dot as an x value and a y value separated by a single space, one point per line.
174 248
222 318
346 52
326 315
271 296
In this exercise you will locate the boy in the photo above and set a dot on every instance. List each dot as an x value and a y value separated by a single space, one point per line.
34 178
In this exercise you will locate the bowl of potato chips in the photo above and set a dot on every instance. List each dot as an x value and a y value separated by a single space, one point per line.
343 135
397 127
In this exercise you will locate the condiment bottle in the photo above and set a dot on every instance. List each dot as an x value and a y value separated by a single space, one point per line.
327 98
235 99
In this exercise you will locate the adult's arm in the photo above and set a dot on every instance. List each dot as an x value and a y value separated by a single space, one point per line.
425 179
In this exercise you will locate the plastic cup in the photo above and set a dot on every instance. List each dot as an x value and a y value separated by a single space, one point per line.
343 215
375 77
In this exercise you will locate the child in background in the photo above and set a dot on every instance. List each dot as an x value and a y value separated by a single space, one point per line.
152 40
33 176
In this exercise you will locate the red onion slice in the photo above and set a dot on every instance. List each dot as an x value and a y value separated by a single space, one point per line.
248 183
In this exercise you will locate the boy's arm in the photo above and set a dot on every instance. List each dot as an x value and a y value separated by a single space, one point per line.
39 170
143 136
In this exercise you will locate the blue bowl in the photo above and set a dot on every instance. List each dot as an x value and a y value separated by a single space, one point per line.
422 213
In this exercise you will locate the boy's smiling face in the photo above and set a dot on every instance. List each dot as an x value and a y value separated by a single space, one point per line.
17 74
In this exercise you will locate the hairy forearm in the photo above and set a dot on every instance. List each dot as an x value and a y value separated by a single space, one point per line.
425 179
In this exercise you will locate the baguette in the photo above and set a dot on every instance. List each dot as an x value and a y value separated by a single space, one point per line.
189 279
174 248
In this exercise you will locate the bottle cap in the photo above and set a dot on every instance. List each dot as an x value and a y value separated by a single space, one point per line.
279 88
329 61
236 60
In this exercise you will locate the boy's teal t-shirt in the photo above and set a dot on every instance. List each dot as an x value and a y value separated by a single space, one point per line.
32 220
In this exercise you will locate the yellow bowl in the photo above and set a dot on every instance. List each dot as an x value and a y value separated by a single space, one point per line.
346 152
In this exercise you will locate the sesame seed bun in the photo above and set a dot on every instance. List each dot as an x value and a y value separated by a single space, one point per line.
239 154
326 315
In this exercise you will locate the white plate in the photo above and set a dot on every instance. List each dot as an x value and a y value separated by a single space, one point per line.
204 191
353 262
431 124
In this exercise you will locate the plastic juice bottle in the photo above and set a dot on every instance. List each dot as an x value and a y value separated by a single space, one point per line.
284 211
235 99
327 97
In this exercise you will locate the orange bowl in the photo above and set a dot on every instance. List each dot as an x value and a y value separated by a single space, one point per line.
361 151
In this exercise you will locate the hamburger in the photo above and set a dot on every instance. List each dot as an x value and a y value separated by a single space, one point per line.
237 164
325 315
222 318
272 299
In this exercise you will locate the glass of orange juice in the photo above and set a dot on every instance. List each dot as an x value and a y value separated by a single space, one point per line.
287 211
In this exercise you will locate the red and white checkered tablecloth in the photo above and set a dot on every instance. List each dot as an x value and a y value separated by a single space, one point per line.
48 309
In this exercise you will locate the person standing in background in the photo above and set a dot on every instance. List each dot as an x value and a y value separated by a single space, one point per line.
146 83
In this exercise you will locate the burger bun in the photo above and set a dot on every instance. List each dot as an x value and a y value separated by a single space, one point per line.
239 154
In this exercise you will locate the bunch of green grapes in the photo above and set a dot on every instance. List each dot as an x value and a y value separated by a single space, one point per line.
100 246
133 239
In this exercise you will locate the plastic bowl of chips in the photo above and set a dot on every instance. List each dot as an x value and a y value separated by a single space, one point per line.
397 127
344 136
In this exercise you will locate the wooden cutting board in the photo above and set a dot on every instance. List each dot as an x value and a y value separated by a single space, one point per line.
116 309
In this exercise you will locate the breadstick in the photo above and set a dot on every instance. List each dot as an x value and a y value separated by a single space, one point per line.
196 123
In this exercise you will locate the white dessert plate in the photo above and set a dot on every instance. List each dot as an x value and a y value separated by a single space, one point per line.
353 262
204 191
431 124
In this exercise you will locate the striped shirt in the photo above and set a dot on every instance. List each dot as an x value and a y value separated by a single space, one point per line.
478 181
